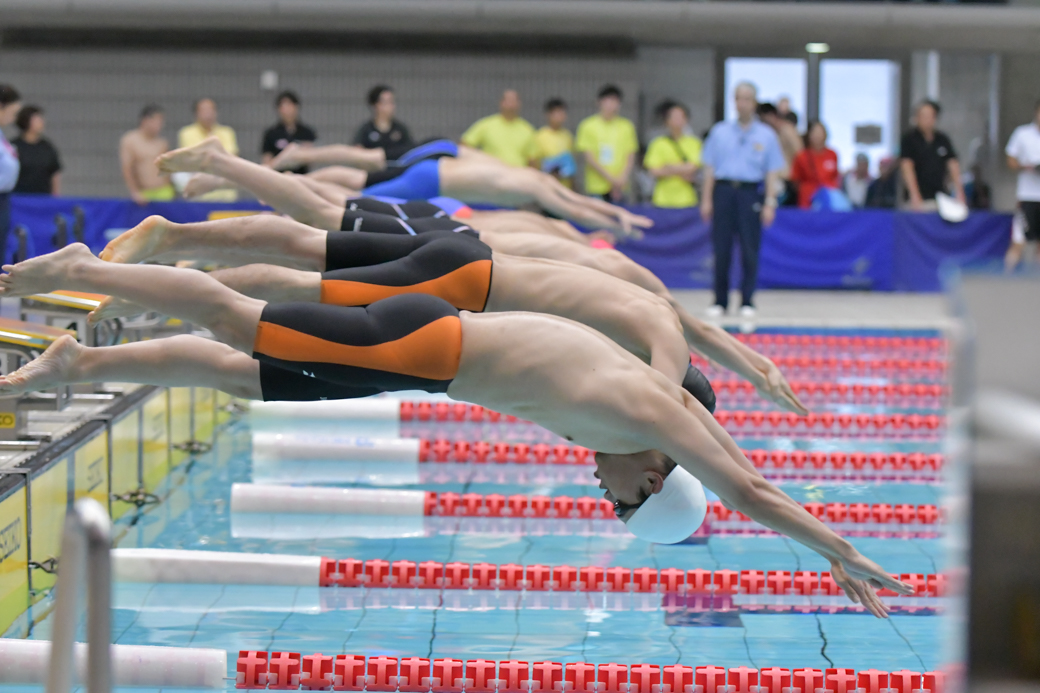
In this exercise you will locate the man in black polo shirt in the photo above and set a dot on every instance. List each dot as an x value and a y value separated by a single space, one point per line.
928 161
383 131
288 130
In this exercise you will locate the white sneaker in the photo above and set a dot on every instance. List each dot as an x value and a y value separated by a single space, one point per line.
748 312
715 311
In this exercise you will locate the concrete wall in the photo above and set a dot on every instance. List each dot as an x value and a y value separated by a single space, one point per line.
92 96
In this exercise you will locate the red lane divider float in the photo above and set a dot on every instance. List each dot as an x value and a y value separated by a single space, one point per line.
377 573
768 423
805 343
823 367
482 452
910 395
588 508
347 672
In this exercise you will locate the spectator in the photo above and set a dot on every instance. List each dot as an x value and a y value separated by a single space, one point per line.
1023 156
673 159
816 166
383 131
10 105
790 141
928 161
553 144
883 191
609 144
505 135
138 150
738 157
205 126
40 165
289 129
857 181
783 109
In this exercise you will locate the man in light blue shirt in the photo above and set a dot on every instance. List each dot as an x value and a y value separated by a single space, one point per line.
10 104
742 162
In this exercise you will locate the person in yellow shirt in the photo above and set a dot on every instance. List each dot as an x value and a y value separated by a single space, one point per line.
505 135
609 144
673 159
554 145
205 126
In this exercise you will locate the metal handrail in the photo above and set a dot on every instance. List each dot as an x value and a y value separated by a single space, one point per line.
85 554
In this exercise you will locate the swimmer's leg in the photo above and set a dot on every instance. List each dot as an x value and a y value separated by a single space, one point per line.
342 176
295 156
261 238
284 193
180 293
333 192
272 284
180 361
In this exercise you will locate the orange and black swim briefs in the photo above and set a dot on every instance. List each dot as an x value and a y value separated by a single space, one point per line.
362 268
313 351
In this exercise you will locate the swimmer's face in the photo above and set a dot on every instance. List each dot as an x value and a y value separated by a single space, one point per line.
631 478
386 106
609 106
556 118
745 101
206 113
288 111
509 106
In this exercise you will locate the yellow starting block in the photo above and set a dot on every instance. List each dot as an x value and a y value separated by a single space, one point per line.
70 308
20 342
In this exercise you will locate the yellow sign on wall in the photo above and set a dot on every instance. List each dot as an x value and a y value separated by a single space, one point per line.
91 469
14 558
155 441
126 446
50 496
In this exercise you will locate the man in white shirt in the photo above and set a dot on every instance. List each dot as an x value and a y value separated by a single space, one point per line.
1023 156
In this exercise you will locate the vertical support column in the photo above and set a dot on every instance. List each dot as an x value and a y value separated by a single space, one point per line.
993 116
932 75
812 89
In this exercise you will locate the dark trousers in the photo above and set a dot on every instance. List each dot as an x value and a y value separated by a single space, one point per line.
737 210
5 224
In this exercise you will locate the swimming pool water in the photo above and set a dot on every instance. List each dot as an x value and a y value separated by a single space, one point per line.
511 625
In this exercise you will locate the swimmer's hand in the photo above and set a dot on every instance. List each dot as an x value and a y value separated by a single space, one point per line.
859 576
774 387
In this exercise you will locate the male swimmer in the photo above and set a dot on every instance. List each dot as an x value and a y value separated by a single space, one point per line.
278 241
472 181
655 443
356 269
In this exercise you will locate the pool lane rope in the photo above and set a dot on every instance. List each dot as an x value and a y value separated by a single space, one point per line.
346 672
219 567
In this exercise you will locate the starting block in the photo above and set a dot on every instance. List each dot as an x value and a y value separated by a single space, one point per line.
70 308
21 342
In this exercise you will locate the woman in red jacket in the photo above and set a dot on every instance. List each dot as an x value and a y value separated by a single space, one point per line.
816 166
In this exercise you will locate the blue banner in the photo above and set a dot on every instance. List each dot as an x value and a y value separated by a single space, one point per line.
878 250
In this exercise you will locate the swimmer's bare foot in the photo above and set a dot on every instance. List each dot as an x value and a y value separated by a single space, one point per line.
56 366
142 243
190 159
46 273
112 308
202 183
287 158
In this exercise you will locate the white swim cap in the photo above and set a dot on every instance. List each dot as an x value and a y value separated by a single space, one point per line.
673 514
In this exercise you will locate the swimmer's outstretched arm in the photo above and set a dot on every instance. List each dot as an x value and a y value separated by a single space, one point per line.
180 361
687 434
180 293
295 156
284 193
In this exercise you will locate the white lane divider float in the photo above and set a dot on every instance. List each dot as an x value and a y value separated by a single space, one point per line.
25 662
382 414
213 567
274 511
315 458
